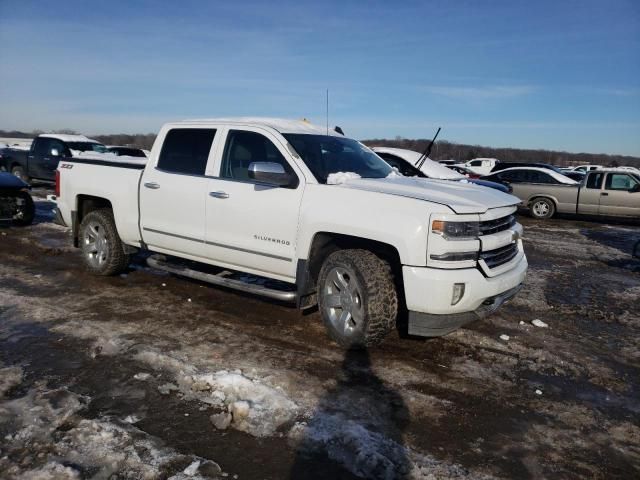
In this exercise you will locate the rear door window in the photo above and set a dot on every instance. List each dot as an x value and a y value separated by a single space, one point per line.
540 177
186 150
42 146
513 177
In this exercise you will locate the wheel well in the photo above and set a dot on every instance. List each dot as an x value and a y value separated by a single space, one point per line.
325 243
84 205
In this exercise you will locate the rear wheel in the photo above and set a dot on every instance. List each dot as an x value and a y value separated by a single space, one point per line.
19 172
25 209
102 249
542 208
357 298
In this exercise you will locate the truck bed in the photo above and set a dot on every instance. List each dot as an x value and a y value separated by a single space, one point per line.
115 178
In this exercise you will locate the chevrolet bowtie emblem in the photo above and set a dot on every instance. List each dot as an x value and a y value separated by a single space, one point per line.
515 235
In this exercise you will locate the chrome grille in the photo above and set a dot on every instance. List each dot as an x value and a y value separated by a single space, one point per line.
498 225
499 256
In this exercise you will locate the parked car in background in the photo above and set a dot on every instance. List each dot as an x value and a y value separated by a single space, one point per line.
405 160
41 160
505 165
482 166
582 168
320 213
606 192
464 171
16 204
126 151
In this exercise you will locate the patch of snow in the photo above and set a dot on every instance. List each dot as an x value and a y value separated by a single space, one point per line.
142 376
256 408
36 447
341 177
109 157
539 323
504 337
538 392
221 420
132 419
192 469
9 378
167 388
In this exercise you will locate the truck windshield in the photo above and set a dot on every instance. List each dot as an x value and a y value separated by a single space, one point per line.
324 154
87 147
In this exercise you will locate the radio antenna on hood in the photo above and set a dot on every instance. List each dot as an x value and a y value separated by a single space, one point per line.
327 111
425 154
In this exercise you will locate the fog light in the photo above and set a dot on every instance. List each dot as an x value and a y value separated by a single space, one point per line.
458 293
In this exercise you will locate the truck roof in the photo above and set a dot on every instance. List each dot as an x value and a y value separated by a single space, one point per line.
68 138
282 125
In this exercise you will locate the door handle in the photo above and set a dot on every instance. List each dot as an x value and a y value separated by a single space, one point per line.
152 185
604 194
219 194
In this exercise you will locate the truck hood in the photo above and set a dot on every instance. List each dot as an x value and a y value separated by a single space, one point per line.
460 196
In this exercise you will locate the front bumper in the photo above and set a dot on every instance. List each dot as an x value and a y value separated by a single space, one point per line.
428 295
430 325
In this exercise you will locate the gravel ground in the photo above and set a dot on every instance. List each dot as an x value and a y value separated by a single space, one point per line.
148 375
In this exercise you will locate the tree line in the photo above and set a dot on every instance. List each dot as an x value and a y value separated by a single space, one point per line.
442 149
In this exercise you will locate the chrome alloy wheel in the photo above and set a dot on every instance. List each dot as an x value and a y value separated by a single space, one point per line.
541 209
342 303
95 245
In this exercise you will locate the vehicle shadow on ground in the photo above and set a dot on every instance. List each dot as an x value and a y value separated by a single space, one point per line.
358 423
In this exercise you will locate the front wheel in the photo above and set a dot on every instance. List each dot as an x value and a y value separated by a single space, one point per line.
102 249
542 208
357 298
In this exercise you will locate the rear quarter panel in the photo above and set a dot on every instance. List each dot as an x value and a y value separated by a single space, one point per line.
117 184
564 196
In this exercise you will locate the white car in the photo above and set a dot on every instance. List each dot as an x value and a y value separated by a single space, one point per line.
482 166
320 217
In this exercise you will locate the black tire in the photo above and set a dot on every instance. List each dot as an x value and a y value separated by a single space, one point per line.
542 208
19 172
376 300
26 212
103 254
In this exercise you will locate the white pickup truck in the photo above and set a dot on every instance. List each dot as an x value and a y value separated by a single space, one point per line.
309 215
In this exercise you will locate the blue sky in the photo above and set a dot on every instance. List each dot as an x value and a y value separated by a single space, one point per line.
556 75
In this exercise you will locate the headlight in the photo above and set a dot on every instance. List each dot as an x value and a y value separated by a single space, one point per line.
456 230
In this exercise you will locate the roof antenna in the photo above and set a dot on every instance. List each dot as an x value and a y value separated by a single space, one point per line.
327 111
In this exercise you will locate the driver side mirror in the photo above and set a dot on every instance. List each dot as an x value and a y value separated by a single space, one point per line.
55 152
635 188
271 173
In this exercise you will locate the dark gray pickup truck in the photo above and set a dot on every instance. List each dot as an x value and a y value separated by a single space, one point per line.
41 160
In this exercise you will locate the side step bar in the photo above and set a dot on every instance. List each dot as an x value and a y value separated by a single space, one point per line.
221 279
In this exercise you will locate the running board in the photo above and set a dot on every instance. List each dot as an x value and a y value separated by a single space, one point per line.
221 279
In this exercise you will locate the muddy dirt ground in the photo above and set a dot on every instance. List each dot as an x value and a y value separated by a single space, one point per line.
147 375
